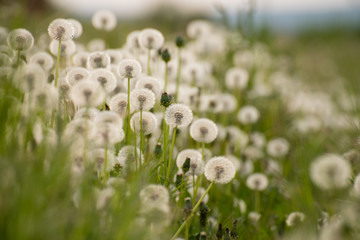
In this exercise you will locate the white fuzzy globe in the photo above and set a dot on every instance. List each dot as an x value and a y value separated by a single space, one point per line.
203 130
219 170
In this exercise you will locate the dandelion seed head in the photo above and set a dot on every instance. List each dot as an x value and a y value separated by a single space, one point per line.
30 77
194 73
61 29
151 39
115 56
20 39
235 161
198 28
67 48
86 113
104 20
254 217
237 136
236 78
330 171
45 98
77 74
126 157
108 134
253 153
44 59
97 60
258 139
150 83
196 164
149 123
105 78
77 27
132 40
109 118
154 194
277 147
178 115
97 158
118 104
129 68
5 60
228 103
257 182
248 115
80 59
96 45
78 127
295 218
87 93
142 99
220 170
203 130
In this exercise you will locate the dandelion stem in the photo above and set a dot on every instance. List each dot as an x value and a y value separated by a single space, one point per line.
171 156
127 132
257 201
18 57
148 63
166 76
141 135
178 74
105 163
166 139
57 64
192 212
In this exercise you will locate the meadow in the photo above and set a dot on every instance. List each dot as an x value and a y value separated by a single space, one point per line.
176 130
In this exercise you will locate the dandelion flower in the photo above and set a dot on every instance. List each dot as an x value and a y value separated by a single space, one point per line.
236 78
142 99
228 102
80 59
104 20
61 29
118 104
96 45
76 75
198 28
126 157
132 40
31 77
194 73
178 115
20 39
86 113
129 68
248 115
67 47
77 27
295 218
105 78
115 56
196 164
45 98
277 147
203 130
150 83
44 59
236 162
254 217
87 93
154 194
108 117
108 134
98 60
79 127
149 123
330 171
257 182
220 170
151 39
258 139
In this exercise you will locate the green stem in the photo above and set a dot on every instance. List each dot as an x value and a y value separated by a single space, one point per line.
165 142
187 226
127 130
170 157
18 57
141 135
192 212
148 62
105 163
166 76
178 74
257 201
57 64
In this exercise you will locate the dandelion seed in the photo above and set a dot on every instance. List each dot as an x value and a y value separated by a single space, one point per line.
129 68
150 83
248 115
330 171
118 104
44 59
258 139
67 48
96 45
257 182
30 78
77 27
61 29
196 164
126 157
254 217
115 56
236 78
228 103
132 40
198 28
149 123
194 73
220 170
108 118
45 98
98 60
277 147
86 113
108 134
86 93
104 20
203 130
76 75
20 39
151 39
105 78
154 195
295 218
178 115
142 99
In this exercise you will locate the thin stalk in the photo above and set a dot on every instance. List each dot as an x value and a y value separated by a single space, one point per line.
257 201
57 64
105 163
127 130
187 226
135 153
86 130
166 139
148 62
178 74
192 212
141 135
18 57
170 157
166 76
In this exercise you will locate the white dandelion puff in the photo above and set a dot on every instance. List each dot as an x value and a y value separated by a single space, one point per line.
198 28
96 45
330 171
67 48
86 113
150 83
115 56
87 93
151 39
104 20
105 78
149 122
61 29
44 59
108 134
295 218
126 157
20 39
98 60
277 147
196 164
248 115
257 182
178 115
129 68
203 130
219 170
108 117
154 194
77 27
77 74
258 139
79 59
142 99
236 78
30 78
132 40
118 104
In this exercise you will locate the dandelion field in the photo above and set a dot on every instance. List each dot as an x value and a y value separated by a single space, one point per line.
198 133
